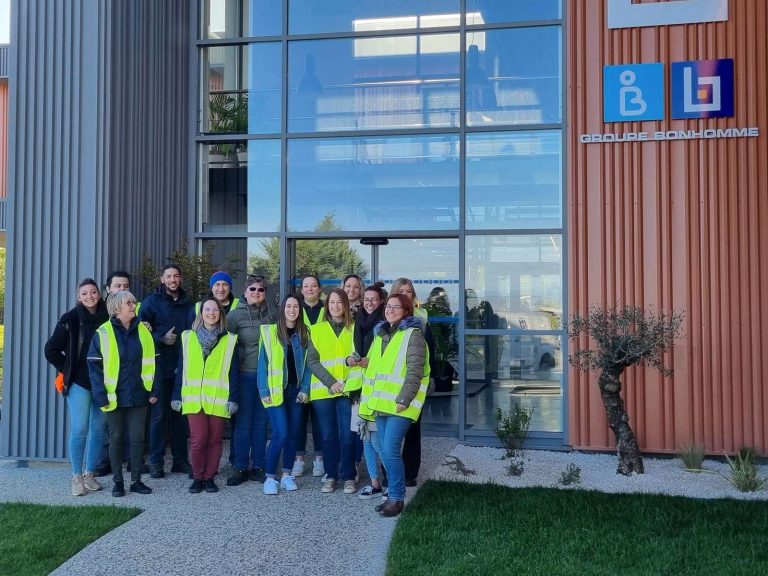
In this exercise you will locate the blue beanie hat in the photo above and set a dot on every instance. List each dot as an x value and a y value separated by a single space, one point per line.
218 276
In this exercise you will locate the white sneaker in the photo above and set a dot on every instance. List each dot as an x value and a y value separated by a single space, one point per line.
90 483
298 468
271 487
328 486
78 487
350 487
318 469
288 484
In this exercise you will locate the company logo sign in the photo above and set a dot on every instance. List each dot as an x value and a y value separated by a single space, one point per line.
699 89
702 89
633 92
629 14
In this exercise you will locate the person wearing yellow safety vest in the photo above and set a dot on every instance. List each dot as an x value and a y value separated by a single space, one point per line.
206 390
284 388
121 364
331 358
314 312
396 382
412 443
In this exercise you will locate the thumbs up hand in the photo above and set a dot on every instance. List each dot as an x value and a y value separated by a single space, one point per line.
170 337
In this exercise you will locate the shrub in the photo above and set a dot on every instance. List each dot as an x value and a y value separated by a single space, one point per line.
571 475
743 472
512 428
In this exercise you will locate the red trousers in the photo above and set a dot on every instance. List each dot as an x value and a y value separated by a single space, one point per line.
205 444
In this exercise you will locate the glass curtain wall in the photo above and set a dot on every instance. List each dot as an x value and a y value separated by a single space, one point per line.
437 120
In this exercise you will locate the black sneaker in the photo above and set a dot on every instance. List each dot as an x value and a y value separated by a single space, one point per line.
104 470
181 468
210 486
156 471
140 488
410 483
118 490
197 487
381 506
257 475
237 478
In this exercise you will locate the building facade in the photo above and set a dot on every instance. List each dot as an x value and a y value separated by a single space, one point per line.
509 157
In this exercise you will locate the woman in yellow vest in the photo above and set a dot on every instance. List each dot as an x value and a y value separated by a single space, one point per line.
283 382
330 358
121 364
206 390
396 386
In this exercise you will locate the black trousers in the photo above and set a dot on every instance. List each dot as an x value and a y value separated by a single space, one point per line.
130 422
412 451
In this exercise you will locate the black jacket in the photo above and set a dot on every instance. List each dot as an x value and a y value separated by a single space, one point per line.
163 312
67 348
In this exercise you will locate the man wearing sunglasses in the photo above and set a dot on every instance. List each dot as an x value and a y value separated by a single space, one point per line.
245 320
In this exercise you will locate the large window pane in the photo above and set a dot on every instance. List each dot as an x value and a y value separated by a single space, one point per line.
373 184
242 88
493 11
504 370
514 180
513 76
369 83
514 282
236 18
330 259
240 186
312 16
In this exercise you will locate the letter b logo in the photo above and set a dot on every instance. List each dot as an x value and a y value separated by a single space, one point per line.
633 92
702 89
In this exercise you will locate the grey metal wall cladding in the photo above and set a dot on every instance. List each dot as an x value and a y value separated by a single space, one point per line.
97 175
4 61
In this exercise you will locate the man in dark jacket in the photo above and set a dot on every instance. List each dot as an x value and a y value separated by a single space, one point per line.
169 312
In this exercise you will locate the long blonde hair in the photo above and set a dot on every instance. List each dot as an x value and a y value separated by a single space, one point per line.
399 283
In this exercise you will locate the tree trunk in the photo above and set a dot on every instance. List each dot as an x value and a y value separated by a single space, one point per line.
630 459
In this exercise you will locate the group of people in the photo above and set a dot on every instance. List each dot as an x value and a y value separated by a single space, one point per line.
355 364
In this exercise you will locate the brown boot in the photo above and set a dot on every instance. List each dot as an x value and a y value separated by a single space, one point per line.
393 508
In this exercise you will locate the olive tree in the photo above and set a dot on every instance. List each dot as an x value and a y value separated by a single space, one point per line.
608 340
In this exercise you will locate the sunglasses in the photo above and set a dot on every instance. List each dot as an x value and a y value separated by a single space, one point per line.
256 289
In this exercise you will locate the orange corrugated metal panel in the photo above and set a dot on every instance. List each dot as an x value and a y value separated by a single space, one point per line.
3 138
674 224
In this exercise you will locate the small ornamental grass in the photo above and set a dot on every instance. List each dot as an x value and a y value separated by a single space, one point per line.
571 475
743 471
692 456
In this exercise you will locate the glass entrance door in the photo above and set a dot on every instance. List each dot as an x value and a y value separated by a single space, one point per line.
432 264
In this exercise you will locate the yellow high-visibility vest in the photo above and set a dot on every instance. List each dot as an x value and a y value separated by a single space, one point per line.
385 376
199 305
275 352
333 351
205 383
111 360
320 318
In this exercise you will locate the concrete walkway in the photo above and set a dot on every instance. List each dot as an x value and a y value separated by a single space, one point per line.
237 531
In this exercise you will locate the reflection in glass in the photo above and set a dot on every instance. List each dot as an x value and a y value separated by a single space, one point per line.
514 180
237 18
242 88
370 83
493 11
240 186
374 183
311 16
517 280
501 370
513 76
330 259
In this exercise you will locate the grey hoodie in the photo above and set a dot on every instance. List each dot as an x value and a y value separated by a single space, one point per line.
245 321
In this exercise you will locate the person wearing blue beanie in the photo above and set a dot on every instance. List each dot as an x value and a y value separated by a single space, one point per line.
221 290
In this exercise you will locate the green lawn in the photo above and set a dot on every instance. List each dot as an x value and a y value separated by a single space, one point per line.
464 529
35 539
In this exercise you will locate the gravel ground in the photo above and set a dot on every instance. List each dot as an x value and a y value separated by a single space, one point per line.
237 531
543 468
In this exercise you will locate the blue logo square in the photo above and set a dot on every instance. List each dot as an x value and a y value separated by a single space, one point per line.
702 89
633 92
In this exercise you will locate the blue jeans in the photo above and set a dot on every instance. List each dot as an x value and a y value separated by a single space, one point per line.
286 420
160 416
88 429
334 416
391 430
372 448
317 442
251 426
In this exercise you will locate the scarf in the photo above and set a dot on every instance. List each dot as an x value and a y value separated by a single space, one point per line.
208 339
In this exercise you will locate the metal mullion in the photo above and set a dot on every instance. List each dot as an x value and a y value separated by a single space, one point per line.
399 234
507 25
564 244
514 232
374 33
462 423
282 238
515 127
236 40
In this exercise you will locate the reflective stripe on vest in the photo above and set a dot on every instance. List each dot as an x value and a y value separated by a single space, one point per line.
385 376
205 383
333 351
111 360
232 306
